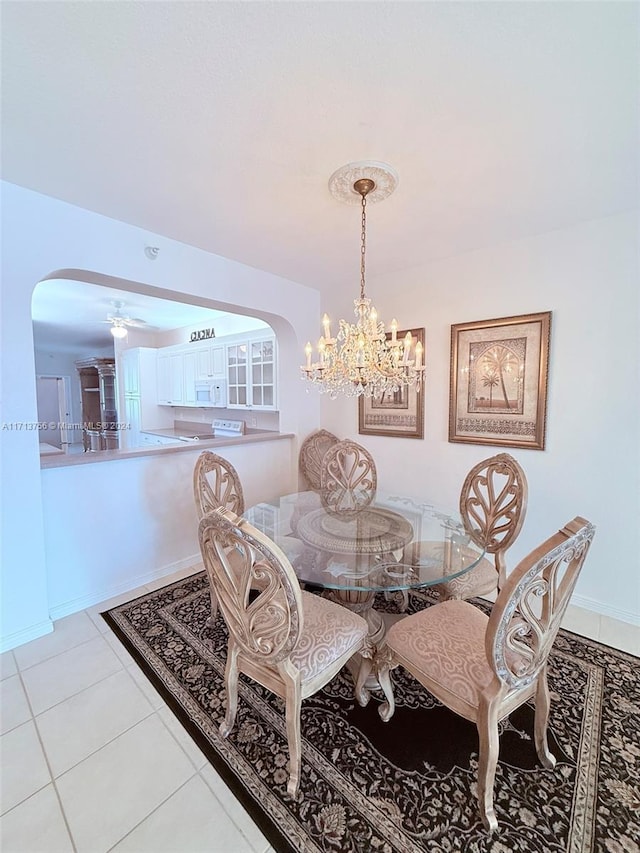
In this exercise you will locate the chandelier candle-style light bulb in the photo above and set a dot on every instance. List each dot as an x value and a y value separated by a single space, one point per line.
418 355
408 340
321 351
326 325
361 359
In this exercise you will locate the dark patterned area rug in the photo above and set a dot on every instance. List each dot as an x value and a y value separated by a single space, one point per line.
407 785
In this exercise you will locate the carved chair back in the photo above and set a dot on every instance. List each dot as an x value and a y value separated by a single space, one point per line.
484 668
312 453
216 484
238 559
493 504
526 617
348 479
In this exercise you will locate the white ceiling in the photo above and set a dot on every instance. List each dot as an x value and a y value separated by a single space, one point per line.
73 314
219 123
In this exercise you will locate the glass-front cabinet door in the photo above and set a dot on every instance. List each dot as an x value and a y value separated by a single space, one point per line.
237 374
262 373
251 374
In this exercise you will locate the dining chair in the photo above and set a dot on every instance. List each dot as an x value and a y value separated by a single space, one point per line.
289 641
216 485
349 482
312 452
493 504
348 478
484 667
310 458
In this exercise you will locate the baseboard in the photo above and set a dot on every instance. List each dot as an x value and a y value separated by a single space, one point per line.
11 641
76 604
604 609
593 606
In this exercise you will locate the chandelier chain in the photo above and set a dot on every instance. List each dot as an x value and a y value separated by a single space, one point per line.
363 244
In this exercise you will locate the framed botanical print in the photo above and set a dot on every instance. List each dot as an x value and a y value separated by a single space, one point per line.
498 386
397 413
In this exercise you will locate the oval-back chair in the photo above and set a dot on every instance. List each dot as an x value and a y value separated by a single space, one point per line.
493 505
290 641
312 452
483 668
216 485
348 478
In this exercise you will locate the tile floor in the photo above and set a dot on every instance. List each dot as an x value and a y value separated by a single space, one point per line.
93 760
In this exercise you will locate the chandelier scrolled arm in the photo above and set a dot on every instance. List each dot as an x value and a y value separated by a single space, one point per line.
363 359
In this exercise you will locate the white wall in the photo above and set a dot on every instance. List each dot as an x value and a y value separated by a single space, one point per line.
43 237
230 324
588 277
139 522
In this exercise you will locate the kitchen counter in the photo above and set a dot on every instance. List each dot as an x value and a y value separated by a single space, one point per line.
252 437
48 449
187 433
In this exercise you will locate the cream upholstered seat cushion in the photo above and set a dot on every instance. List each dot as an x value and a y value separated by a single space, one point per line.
445 644
293 547
330 630
480 580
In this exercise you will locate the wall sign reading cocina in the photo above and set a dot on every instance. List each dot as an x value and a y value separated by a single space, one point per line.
202 335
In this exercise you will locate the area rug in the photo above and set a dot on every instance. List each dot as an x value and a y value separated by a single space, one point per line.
409 784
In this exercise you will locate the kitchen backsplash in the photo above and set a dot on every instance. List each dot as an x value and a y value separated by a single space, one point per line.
253 419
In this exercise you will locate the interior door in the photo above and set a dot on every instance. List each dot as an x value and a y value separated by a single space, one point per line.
51 409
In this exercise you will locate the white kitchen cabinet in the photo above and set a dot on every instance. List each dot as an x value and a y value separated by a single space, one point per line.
170 379
131 371
138 380
189 370
133 418
210 363
149 440
262 376
246 362
164 383
218 366
237 383
176 378
251 374
203 363
178 373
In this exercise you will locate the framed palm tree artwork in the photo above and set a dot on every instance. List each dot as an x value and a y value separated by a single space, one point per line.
498 385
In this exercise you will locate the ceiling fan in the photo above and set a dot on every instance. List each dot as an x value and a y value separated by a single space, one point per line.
120 321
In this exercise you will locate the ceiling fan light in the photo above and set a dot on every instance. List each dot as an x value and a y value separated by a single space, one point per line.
118 332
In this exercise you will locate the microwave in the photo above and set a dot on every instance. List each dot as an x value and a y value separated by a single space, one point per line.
212 393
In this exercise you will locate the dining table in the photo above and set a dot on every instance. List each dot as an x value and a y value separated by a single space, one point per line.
392 545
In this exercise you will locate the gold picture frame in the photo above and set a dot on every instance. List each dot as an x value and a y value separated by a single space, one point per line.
400 414
498 385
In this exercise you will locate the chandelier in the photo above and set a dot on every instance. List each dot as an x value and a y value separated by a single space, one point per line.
363 359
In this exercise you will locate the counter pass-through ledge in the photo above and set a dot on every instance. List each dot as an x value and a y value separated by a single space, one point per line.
66 460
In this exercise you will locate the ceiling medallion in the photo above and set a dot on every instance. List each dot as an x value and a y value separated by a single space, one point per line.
341 183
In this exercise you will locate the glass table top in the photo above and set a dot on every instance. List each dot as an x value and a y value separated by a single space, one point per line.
395 543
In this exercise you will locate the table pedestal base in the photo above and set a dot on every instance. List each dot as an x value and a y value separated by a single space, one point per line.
366 665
